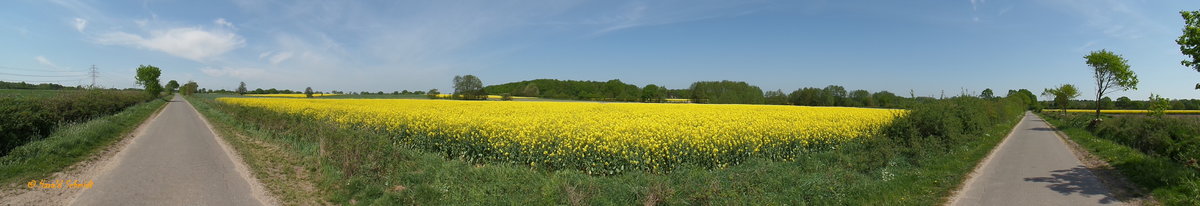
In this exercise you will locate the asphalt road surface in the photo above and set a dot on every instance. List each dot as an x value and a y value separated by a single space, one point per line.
1033 167
176 161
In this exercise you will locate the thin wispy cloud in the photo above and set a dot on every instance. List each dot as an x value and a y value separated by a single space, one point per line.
240 73
46 62
975 4
1086 46
1112 17
639 14
280 57
223 23
80 24
54 67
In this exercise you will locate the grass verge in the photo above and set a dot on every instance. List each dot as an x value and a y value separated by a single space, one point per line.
1169 182
72 143
872 171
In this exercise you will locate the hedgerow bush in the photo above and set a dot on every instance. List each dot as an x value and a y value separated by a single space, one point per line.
26 119
1177 138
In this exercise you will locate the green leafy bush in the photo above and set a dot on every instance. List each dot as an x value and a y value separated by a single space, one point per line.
1171 137
26 119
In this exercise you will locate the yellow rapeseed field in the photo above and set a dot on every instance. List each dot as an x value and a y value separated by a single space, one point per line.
1123 111
289 95
595 137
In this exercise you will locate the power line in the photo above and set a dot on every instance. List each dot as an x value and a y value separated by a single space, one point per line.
44 81
32 75
35 70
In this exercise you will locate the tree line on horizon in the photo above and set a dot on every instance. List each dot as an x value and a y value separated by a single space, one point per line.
718 92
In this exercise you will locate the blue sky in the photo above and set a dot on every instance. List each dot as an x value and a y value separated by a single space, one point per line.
926 46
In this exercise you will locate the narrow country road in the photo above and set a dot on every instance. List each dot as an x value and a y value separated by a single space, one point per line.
1032 166
176 161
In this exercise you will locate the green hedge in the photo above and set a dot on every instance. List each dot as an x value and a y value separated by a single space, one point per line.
27 119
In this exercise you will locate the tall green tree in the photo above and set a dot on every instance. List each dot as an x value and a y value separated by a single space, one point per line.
1189 42
433 93
172 86
308 93
654 93
147 76
1031 99
1112 74
241 90
834 95
987 94
469 87
1062 95
189 88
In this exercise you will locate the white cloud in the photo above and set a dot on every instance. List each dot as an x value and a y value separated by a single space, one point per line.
80 24
975 4
280 57
639 14
1086 46
241 73
42 60
1113 18
222 22
188 42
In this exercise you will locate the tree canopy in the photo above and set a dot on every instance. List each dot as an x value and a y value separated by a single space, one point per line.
726 92
1062 95
654 93
147 76
1112 74
189 88
241 90
469 87
171 86
1189 41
